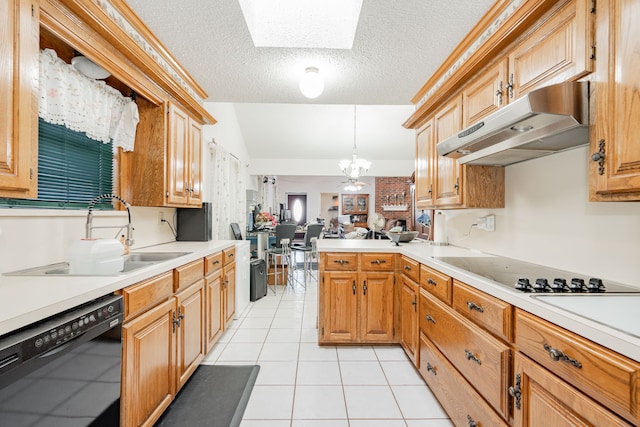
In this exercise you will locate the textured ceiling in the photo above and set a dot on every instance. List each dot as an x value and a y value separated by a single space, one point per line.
398 45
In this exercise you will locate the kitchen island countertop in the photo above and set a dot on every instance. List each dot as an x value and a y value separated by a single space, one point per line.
600 330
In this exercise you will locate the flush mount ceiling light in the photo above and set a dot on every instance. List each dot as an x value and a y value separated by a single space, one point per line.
311 83
355 167
89 68
328 24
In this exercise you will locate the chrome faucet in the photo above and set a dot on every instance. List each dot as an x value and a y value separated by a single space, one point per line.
89 225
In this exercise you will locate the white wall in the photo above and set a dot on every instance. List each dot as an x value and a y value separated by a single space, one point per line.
548 220
32 237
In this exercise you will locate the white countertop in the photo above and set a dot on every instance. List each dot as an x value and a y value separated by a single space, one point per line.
610 325
27 299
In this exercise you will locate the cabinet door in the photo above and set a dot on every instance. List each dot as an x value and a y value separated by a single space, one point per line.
213 308
195 163
148 365
617 123
409 318
229 284
19 30
177 156
339 302
542 399
557 51
190 332
376 307
448 173
425 153
485 95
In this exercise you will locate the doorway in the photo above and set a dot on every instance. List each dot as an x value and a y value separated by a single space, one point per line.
297 203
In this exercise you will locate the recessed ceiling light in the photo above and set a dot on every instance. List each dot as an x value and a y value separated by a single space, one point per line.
329 24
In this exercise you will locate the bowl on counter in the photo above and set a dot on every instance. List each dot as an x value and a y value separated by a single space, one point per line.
402 236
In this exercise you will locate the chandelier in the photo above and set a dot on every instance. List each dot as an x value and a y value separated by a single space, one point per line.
356 167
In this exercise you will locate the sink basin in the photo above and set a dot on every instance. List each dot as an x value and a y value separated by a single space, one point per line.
152 256
133 261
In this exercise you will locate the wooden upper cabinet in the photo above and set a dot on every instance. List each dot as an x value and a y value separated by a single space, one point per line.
425 149
615 151
558 50
166 167
19 31
448 173
486 94
184 158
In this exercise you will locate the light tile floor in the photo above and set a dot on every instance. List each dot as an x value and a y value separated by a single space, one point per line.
301 384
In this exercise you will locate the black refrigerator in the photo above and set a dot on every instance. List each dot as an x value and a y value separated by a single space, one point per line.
194 224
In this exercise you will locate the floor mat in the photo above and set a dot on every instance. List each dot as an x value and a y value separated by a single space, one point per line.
215 396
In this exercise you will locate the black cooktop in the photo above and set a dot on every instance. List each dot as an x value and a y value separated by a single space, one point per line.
529 277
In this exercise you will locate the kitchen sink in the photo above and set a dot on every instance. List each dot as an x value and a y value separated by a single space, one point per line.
132 261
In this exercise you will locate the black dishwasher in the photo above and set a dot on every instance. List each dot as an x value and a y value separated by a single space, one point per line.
64 370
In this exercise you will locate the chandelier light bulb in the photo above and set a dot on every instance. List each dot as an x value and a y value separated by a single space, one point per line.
311 83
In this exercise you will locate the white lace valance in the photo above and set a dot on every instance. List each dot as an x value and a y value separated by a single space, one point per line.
82 104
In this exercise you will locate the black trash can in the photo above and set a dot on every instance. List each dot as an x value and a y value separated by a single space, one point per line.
258 279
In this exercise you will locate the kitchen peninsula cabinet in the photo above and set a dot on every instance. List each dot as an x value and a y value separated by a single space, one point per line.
357 298
614 148
19 31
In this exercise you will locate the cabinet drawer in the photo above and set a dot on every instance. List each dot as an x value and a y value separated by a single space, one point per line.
143 295
410 268
462 403
482 359
338 261
376 262
491 313
436 283
212 263
228 255
604 375
187 274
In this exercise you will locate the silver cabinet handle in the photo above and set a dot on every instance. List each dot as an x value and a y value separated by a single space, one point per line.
430 319
558 356
473 306
431 369
470 356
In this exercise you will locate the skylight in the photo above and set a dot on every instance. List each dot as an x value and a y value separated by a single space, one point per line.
328 24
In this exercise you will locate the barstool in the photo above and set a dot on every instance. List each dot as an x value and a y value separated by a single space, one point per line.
280 256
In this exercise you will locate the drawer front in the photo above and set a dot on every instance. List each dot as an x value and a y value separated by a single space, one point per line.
143 295
602 374
462 403
340 261
188 274
436 283
212 263
482 359
377 262
410 268
493 314
228 255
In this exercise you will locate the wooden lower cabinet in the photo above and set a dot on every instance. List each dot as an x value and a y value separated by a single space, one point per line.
461 402
542 399
148 365
229 292
357 308
482 359
408 291
190 312
213 309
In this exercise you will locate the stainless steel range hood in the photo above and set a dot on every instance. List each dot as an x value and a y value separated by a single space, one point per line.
545 121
